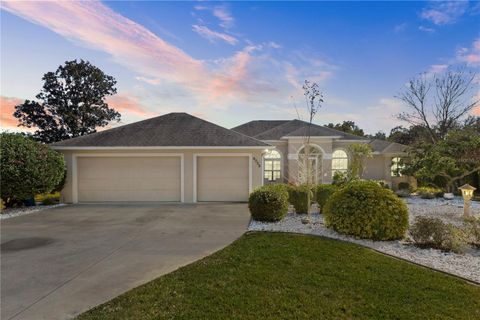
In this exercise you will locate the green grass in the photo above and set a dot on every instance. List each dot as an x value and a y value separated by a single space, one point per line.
285 276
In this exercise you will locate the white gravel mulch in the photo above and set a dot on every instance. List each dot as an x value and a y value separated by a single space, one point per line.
15 212
463 265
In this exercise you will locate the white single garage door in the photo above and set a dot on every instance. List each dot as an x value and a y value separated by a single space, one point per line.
129 179
222 178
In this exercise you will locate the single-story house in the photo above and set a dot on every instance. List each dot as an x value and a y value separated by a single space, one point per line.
328 152
180 158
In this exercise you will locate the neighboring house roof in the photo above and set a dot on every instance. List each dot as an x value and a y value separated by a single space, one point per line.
173 129
277 129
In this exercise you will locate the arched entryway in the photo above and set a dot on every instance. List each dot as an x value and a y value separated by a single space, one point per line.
310 164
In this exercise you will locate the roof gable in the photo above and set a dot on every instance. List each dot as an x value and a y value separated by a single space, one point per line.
170 130
255 127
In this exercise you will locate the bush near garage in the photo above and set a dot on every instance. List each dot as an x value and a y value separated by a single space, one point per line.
323 192
298 197
268 203
27 168
366 210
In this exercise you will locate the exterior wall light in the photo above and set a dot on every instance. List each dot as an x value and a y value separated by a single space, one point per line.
467 193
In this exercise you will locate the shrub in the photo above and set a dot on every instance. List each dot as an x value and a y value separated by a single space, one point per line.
268 203
403 193
366 210
404 186
298 198
48 199
28 168
323 192
382 183
472 226
339 178
429 232
429 192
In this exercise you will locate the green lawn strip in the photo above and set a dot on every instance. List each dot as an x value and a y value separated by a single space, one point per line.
287 276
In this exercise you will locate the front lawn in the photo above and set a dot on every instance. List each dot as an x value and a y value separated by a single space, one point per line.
287 276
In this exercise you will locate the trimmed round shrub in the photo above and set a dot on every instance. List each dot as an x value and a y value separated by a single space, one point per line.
268 203
323 192
28 168
366 210
298 197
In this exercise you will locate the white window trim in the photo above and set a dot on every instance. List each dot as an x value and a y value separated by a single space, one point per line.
75 156
195 177
281 167
348 158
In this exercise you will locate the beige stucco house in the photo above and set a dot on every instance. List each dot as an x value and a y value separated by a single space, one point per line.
180 158
328 152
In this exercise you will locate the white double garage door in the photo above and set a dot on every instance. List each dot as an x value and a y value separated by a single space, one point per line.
162 178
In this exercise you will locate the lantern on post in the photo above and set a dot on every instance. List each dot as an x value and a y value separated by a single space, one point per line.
467 193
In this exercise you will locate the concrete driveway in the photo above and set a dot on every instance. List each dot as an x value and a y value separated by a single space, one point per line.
60 262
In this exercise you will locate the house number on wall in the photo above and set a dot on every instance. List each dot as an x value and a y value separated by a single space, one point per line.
257 162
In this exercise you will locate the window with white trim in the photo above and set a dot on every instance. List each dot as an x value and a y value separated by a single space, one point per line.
339 161
272 165
396 167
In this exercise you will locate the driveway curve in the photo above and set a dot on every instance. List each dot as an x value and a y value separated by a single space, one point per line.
60 262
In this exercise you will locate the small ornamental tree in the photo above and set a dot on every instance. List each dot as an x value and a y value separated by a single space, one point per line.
27 168
359 153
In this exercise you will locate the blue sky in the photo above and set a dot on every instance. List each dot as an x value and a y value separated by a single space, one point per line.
231 62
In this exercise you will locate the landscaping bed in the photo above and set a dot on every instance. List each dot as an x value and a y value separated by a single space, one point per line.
463 265
15 212
287 276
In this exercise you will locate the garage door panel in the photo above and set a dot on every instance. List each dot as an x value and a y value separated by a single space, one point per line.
129 179
222 178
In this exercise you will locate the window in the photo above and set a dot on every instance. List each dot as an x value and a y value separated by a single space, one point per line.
310 170
272 165
396 167
339 161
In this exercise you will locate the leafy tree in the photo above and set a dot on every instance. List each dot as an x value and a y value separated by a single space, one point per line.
451 159
72 103
438 104
27 168
359 153
347 127
379 135
408 136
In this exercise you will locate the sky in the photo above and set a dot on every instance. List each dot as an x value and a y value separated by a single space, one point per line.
232 62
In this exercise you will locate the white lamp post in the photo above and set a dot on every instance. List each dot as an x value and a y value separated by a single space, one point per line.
467 193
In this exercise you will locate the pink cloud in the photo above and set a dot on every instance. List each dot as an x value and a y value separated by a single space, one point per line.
124 103
471 56
213 36
7 108
444 12
251 74
94 25
225 17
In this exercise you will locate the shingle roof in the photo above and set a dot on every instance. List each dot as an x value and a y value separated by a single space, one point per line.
276 129
173 129
387 146
255 127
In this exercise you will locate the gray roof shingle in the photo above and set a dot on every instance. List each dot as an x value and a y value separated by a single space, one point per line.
276 129
173 129
255 127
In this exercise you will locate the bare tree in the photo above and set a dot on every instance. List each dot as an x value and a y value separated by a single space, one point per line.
439 103
313 102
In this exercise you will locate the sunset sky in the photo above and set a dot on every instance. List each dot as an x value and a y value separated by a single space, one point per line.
231 62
